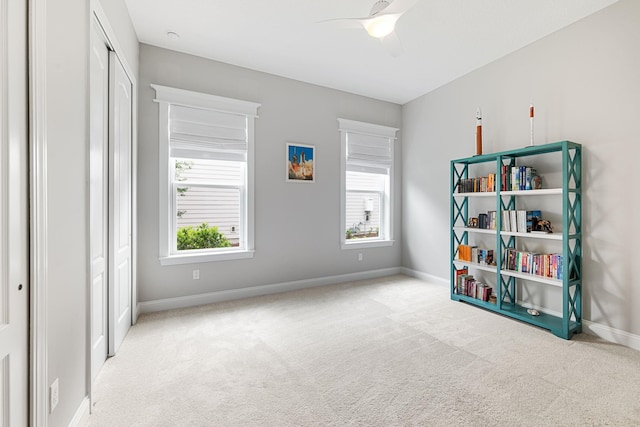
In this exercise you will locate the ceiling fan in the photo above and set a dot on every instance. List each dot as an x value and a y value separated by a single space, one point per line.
381 22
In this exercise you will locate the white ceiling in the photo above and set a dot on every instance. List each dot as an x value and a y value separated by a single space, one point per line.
442 39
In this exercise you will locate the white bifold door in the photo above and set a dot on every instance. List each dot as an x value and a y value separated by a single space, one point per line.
99 198
110 200
120 138
14 214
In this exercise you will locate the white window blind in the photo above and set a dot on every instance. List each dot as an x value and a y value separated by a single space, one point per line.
369 153
205 134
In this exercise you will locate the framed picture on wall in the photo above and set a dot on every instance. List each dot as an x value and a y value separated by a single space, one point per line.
300 161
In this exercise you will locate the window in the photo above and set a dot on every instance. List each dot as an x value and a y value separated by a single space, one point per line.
206 176
367 180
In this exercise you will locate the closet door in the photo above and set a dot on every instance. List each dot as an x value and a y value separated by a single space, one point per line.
99 197
14 249
120 173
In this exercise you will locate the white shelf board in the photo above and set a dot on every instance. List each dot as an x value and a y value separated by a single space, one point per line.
476 194
542 192
475 230
533 278
484 267
547 236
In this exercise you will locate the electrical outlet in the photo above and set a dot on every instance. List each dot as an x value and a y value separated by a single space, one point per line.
54 395
360 257
196 274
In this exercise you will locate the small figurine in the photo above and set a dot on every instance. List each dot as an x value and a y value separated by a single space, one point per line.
536 182
544 225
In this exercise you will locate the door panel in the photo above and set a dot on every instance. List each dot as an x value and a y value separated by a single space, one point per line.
14 292
120 139
98 196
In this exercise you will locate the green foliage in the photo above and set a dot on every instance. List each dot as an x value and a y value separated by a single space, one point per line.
201 237
181 166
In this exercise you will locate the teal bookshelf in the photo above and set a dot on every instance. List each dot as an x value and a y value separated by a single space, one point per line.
561 159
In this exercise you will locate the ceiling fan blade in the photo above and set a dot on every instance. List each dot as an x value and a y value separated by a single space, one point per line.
345 22
398 6
392 44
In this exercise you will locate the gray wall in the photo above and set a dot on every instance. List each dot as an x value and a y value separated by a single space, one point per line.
585 86
296 225
66 132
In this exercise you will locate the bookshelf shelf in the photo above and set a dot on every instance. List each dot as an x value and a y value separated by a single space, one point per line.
475 230
564 268
476 194
476 265
532 277
534 235
542 192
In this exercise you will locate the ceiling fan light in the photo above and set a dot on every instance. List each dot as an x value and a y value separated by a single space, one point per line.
381 26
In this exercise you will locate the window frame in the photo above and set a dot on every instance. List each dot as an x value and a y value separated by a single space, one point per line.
386 234
168 254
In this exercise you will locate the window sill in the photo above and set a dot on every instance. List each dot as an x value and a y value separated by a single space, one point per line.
207 257
369 244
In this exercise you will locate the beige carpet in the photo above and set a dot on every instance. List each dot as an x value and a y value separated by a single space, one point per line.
387 352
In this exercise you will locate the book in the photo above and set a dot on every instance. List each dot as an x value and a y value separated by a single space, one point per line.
505 178
532 220
482 221
461 285
491 220
459 272
521 221
506 225
513 220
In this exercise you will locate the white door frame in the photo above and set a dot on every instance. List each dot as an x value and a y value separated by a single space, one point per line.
38 211
37 54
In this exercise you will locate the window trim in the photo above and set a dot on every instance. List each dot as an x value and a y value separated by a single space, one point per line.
166 96
346 126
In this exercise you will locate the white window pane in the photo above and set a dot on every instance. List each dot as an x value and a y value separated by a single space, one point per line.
365 181
363 215
216 207
218 172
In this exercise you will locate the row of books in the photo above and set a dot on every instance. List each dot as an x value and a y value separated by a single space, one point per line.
545 265
486 221
467 285
475 254
512 178
477 185
516 178
512 220
520 221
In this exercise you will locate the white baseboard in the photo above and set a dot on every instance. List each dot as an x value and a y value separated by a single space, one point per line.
233 294
613 335
81 418
424 276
